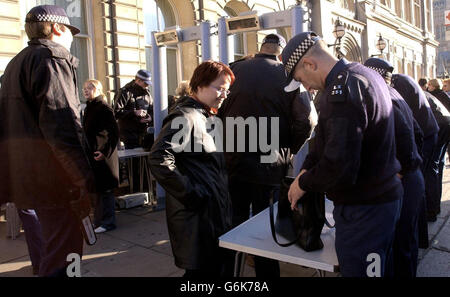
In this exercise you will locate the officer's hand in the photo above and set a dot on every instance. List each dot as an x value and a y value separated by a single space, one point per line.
140 113
148 119
98 156
399 176
295 192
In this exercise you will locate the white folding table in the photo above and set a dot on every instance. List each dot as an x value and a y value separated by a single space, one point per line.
254 237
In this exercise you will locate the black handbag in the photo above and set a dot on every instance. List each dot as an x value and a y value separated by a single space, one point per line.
302 226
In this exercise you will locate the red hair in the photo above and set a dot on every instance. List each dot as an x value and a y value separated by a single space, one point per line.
207 72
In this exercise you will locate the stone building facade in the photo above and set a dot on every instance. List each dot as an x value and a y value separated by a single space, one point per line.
115 34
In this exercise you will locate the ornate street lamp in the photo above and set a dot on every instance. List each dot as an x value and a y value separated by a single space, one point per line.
338 33
381 44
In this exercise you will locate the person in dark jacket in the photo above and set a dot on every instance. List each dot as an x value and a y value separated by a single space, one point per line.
354 157
442 116
133 108
406 247
258 93
44 165
190 166
411 92
435 89
102 134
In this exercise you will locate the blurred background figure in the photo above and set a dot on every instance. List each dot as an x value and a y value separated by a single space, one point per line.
423 83
102 134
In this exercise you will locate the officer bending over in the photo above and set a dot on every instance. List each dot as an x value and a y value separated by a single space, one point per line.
354 159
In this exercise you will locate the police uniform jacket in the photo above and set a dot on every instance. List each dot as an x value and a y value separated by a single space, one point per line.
43 148
442 116
128 99
413 94
442 97
258 92
354 159
102 134
186 162
405 136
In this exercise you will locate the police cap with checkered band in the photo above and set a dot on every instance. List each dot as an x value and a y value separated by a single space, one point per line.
52 14
383 67
295 49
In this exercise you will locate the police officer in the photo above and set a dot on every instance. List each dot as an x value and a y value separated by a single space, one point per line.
406 236
258 92
43 161
133 108
442 116
354 159
413 94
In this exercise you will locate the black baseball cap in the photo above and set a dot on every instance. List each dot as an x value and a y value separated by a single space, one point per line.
52 14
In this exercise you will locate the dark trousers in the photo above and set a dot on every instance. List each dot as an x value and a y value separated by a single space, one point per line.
33 236
406 245
441 148
430 178
61 235
105 214
244 194
361 232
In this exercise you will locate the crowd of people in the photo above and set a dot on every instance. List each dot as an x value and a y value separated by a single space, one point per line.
377 145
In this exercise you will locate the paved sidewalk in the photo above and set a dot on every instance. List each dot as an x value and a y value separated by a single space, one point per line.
140 247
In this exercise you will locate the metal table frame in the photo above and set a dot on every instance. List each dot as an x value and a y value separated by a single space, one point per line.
140 153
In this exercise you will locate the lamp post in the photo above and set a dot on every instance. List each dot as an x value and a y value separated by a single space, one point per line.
381 45
338 33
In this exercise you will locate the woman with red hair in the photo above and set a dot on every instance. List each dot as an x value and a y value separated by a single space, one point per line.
190 166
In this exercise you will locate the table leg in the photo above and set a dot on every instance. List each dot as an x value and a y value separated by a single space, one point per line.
130 173
241 265
149 182
141 174
322 273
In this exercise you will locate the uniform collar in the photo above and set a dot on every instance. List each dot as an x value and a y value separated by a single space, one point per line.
267 56
56 49
340 65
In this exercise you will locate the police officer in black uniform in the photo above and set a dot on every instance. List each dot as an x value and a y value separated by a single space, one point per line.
413 94
354 158
406 247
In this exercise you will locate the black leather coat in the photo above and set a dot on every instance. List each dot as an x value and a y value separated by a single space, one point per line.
42 144
187 164
102 134
128 99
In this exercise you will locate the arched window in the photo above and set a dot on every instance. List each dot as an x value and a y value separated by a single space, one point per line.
159 15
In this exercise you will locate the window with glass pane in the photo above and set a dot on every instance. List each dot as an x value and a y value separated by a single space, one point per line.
398 8
408 13
417 14
428 13
157 16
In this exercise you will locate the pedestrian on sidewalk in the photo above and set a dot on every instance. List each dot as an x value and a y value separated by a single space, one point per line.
102 134
44 163
193 174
